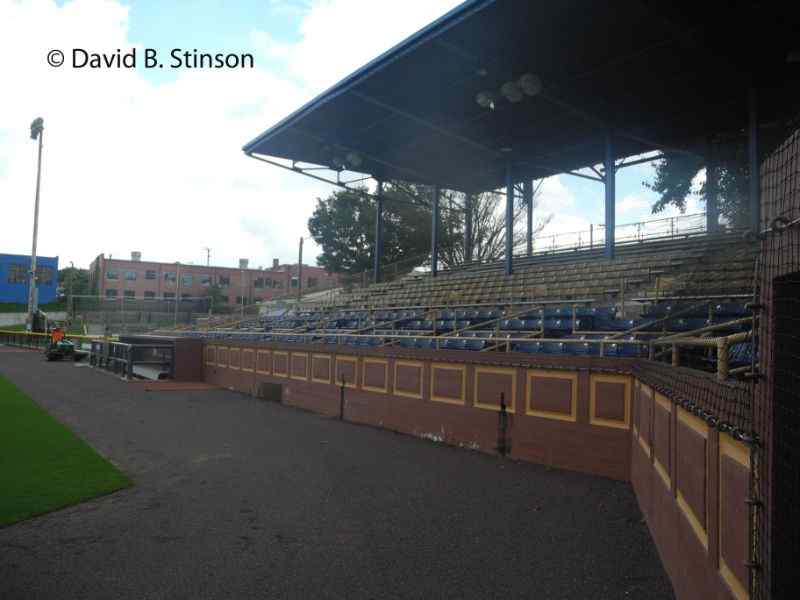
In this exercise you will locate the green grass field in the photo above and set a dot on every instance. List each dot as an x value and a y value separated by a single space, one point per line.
43 465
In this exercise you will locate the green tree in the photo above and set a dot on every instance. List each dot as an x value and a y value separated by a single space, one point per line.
79 278
673 182
343 224
215 298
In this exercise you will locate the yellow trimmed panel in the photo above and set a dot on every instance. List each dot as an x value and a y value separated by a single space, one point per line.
342 361
222 356
538 396
700 427
234 358
248 359
317 359
263 362
740 453
443 368
399 389
596 399
279 357
493 374
211 355
375 361
296 375
665 404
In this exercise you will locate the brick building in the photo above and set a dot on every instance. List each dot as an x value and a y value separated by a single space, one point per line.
135 278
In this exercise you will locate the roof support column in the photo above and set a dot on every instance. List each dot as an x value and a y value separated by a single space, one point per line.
509 220
712 187
611 195
752 159
378 253
527 194
435 232
468 201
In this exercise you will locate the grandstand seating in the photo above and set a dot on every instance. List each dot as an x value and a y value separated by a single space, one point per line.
551 305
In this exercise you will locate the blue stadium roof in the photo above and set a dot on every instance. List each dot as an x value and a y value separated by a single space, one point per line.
657 75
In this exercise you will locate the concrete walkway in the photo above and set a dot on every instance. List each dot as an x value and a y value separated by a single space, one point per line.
239 498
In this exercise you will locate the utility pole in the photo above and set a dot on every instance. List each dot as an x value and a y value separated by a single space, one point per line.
37 132
242 292
300 272
177 290
208 256
71 304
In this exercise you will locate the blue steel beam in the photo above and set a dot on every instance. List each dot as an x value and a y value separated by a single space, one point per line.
509 220
435 232
527 194
611 195
378 233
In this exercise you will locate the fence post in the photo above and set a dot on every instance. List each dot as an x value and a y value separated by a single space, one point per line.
341 399
503 439
722 359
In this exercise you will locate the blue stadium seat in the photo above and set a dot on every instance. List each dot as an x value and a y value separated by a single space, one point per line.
454 344
558 324
475 344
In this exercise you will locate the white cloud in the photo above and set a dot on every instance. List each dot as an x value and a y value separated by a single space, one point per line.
632 204
339 36
134 165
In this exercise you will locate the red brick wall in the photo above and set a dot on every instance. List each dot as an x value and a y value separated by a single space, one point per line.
238 280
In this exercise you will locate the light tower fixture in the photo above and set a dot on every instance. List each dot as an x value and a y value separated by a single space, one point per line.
511 91
485 99
530 84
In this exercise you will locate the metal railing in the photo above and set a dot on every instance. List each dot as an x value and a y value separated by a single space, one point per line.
34 340
595 236
127 360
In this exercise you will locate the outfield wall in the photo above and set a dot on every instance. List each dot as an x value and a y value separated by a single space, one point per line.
586 414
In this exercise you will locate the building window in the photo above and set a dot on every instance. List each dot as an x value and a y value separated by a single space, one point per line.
150 275
259 283
312 282
239 300
130 275
277 284
205 280
169 276
111 293
186 280
186 296
17 274
224 299
224 280
294 282
169 295
112 274
149 295
130 294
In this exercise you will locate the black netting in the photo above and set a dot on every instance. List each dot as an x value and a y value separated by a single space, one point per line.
776 406
724 405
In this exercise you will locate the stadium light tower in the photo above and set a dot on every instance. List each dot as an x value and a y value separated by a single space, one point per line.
37 132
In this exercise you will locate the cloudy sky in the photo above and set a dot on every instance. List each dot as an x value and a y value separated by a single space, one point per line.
151 160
